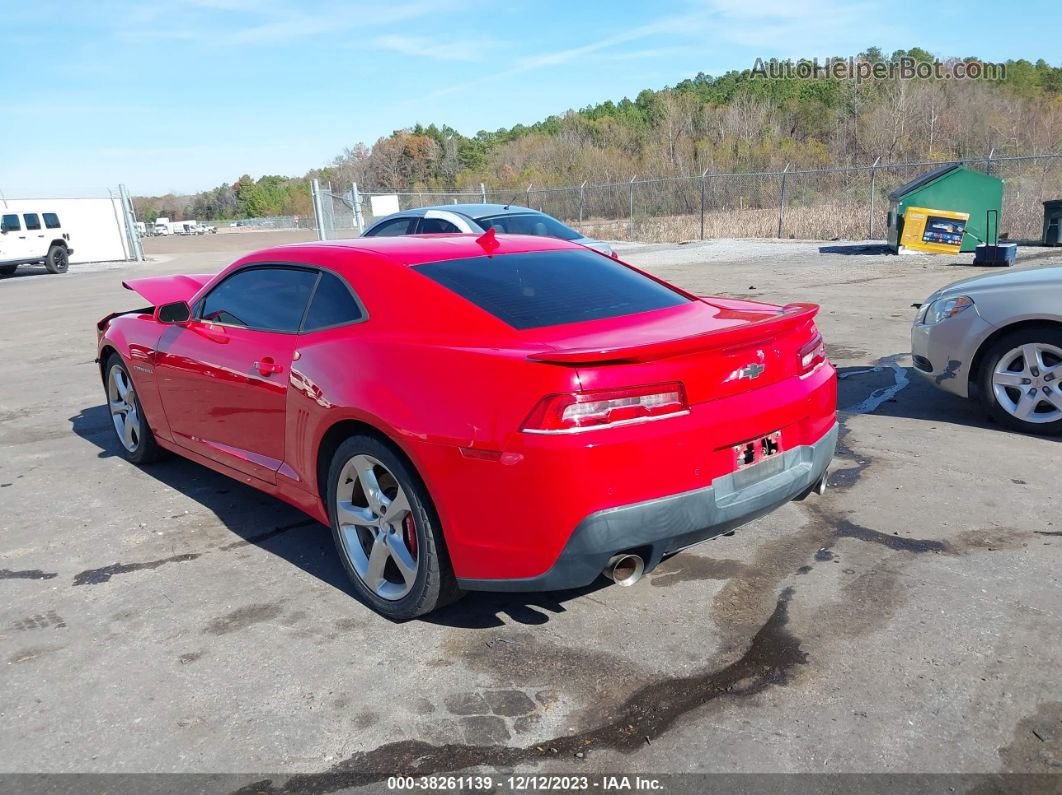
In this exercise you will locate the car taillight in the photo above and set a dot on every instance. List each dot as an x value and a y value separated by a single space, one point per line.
584 411
812 355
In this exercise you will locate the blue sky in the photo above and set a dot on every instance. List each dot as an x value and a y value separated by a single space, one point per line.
185 94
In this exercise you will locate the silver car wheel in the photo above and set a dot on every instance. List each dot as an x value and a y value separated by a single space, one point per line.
1027 382
121 398
376 527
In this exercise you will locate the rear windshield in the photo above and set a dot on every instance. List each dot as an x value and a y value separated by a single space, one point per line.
529 224
551 288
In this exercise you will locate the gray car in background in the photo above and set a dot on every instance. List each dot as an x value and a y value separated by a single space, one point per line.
478 218
997 337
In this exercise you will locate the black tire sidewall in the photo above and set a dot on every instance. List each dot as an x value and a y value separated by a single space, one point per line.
8 270
1042 334
434 575
64 260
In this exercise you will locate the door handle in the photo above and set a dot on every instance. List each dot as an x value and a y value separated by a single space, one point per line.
267 366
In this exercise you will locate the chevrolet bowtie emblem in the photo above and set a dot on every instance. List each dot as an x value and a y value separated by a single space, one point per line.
749 371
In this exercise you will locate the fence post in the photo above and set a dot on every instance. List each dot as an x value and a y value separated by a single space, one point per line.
630 224
355 201
704 177
873 195
482 193
781 200
315 196
988 162
582 190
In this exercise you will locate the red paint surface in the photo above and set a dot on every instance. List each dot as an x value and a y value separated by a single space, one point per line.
452 386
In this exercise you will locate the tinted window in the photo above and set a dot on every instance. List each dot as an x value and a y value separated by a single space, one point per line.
11 223
548 288
51 221
33 221
529 224
434 226
272 299
332 305
393 228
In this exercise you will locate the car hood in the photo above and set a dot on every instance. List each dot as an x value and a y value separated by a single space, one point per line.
1033 278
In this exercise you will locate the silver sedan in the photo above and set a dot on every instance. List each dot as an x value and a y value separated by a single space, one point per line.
997 338
478 218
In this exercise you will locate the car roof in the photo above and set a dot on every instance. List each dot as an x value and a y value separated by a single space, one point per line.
471 210
414 250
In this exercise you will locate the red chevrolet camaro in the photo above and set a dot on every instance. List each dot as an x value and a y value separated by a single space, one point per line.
476 413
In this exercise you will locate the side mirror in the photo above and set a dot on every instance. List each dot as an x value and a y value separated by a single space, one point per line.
176 312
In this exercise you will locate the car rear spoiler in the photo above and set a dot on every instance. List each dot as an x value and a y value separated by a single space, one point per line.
161 290
791 317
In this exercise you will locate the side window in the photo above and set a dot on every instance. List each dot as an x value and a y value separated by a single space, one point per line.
434 226
332 305
51 221
394 228
268 299
33 221
10 223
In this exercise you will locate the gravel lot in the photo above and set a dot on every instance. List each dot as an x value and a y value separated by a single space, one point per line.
168 619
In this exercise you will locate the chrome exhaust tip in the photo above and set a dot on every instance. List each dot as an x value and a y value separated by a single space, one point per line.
625 569
820 487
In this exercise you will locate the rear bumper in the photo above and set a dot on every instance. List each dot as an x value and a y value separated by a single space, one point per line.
657 527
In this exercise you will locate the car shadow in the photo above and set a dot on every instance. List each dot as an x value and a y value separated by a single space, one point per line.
255 518
851 249
485 610
917 400
251 516
23 272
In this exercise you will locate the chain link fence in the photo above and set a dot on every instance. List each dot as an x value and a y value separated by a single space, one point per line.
848 203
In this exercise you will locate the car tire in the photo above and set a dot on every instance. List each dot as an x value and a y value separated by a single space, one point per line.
58 259
7 270
131 430
1020 380
387 532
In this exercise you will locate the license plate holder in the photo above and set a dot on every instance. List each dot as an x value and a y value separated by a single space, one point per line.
758 459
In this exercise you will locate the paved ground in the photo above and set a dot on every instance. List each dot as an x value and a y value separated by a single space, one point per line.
168 619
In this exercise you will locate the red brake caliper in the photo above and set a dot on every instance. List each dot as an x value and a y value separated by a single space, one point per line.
410 531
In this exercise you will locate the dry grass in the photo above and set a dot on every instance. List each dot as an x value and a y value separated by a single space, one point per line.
822 222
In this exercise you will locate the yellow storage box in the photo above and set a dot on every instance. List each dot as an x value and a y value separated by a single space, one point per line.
935 231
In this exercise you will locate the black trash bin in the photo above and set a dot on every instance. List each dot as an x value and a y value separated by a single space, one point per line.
1052 223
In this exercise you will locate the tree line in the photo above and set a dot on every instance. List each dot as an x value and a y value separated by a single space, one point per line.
732 123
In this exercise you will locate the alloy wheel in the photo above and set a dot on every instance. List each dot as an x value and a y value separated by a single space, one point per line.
1027 381
376 527
121 398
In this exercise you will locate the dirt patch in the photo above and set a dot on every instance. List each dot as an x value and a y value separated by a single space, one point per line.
686 567
647 714
1037 743
242 618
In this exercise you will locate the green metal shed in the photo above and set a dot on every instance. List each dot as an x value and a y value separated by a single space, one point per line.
950 187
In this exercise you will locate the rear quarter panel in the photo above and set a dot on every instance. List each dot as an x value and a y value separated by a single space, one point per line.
420 394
